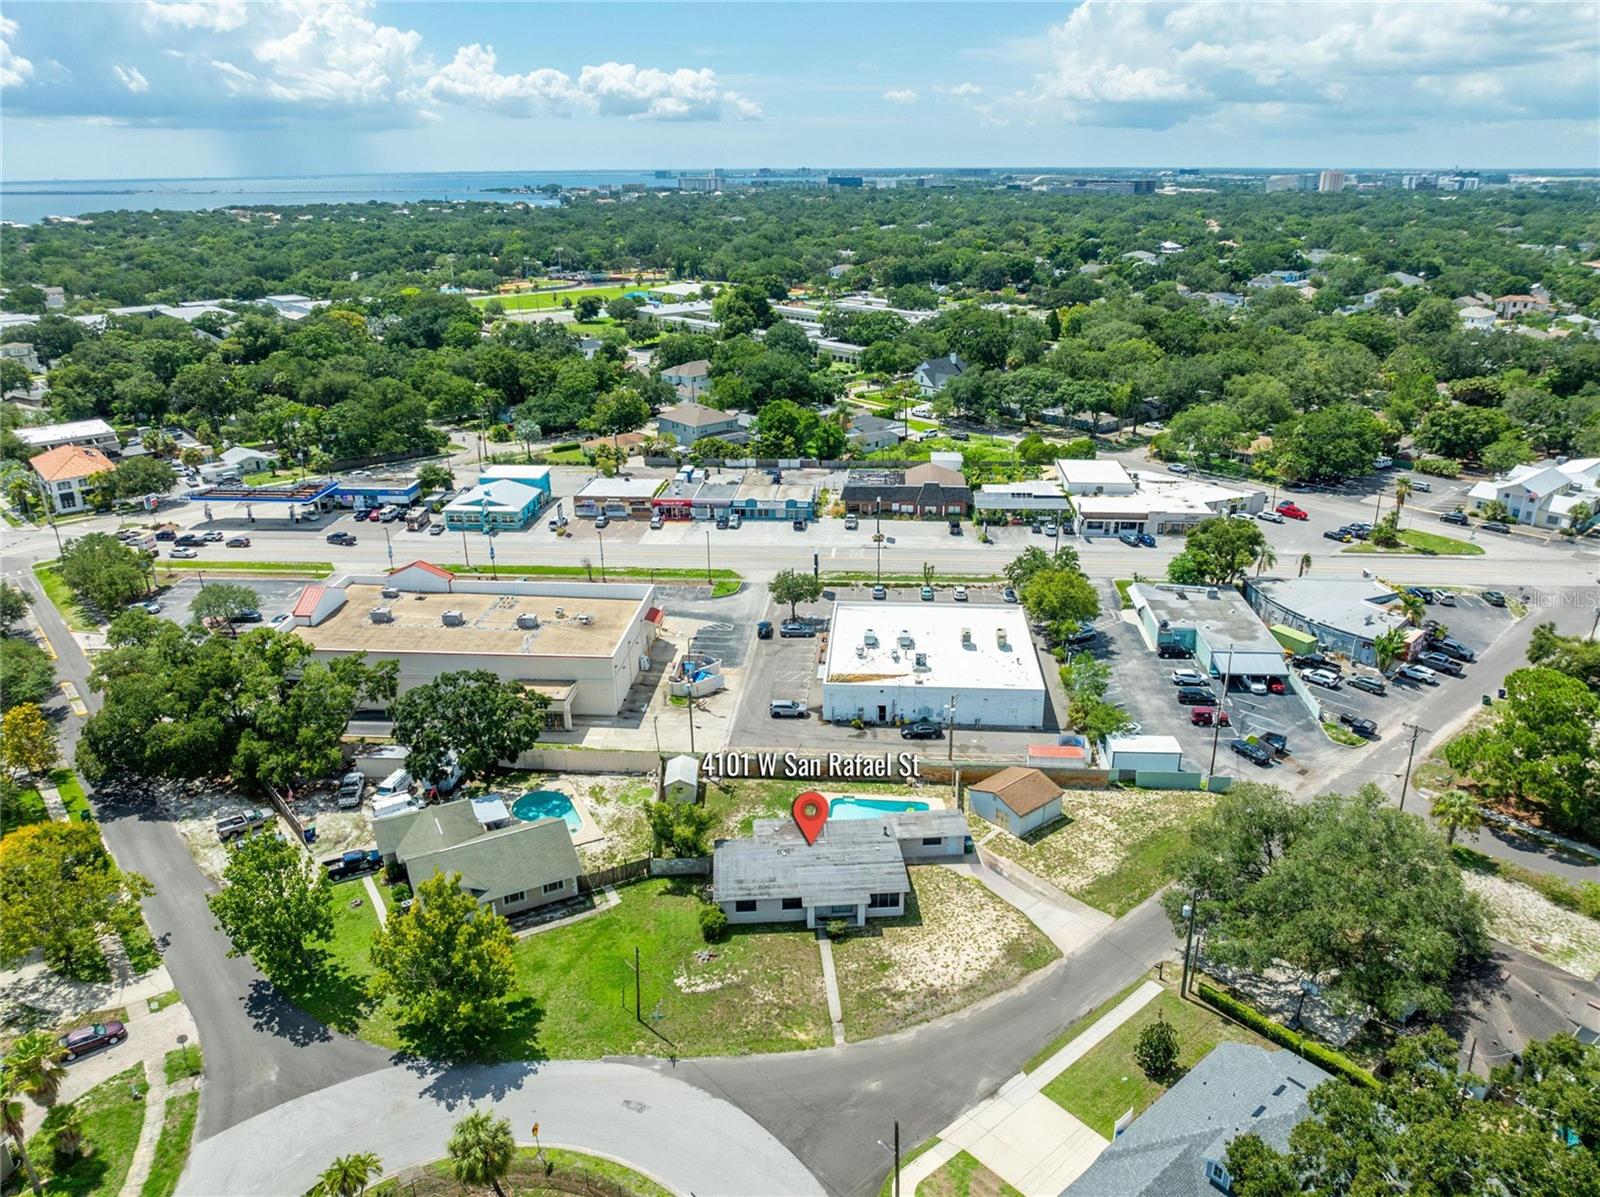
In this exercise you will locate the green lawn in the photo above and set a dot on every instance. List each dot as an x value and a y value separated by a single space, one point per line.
183 1062
268 477
162 1000
887 1188
172 1149
61 596
538 300
71 791
955 945
1077 1028
1106 1082
111 1117
338 995
1340 734
298 569
1430 544
724 581
559 1172
964 1176
26 808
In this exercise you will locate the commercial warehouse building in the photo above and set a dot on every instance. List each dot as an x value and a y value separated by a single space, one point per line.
1343 616
581 645
1159 503
1215 623
973 666
619 498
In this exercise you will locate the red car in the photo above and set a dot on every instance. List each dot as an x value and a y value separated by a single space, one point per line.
1207 716
1290 511
1275 686
91 1038
375 515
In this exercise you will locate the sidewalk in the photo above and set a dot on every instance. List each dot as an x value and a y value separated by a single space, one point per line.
1067 922
1020 1134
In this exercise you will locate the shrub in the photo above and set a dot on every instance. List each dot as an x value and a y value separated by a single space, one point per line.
713 924
839 928
1439 467
1301 1045
1156 1050
1589 899
400 893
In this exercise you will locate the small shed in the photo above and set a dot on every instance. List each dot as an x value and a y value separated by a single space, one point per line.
1017 799
1126 754
680 782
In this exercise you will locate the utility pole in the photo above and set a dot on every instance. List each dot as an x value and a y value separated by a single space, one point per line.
708 560
637 1013
897 1157
1219 711
1411 753
950 732
1188 945
601 535
689 706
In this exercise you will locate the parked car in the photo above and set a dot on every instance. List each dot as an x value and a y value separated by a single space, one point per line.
1009 594
213 537
248 615
1254 753
799 525
1362 727
234 825
851 523
959 594
1049 528
1188 677
373 515
1418 673
238 542
184 552
1173 652
1440 662
1456 649
1422 592
351 787
1083 638
1314 661
1196 696
764 630
1272 517
396 784
83 1040
1256 685
1337 534
166 534
1291 510
604 521
1494 598
1496 526
435 529
1131 539
955 527
1208 716
1276 685
786 708
1372 685
926 594
1275 741
735 519
796 627
353 863
344 539
1423 485
189 538
1321 677
1458 518
1146 540
1178 467
722 521
922 731
657 520
880 593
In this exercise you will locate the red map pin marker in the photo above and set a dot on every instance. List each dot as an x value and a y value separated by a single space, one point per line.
810 813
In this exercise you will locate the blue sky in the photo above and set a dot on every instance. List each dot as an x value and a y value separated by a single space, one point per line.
164 88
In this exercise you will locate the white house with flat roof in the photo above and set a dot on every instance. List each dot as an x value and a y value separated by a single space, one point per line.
973 666
579 644
1094 477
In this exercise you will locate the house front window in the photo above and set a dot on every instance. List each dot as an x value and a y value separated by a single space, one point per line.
554 887
791 904
513 899
881 901
745 906
1218 1176
932 841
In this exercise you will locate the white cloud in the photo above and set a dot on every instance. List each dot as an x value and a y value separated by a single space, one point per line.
966 89
900 95
473 79
130 77
14 68
218 16
1383 63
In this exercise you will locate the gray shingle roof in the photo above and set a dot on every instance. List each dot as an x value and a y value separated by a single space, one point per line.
1237 1088
849 862
449 839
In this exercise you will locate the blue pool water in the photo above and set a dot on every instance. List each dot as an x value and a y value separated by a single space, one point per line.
547 804
847 807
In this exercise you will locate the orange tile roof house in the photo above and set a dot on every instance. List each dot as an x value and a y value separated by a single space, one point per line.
1017 799
65 470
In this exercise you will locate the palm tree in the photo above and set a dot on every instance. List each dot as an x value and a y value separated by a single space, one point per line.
1387 646
33 1069
1456 809
481 1150
64 1125
11 1115
1305 564
1413 609
1402 492
1265 558
348 1175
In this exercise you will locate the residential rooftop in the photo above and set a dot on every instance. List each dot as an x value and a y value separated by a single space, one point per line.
850 859
982 647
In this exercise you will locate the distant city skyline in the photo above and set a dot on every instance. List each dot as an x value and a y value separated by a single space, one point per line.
169 89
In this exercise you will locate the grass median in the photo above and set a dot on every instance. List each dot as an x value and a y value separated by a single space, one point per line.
1429 544
63 600
723 581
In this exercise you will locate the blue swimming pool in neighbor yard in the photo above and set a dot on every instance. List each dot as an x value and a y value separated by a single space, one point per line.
547 804
846 806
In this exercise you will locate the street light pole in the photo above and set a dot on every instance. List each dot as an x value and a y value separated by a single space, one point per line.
1188 946
601 534
708 560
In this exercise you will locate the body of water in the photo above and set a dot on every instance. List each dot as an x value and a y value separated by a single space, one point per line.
27 202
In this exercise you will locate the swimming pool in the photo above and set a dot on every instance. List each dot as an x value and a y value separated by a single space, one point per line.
547 804
847 806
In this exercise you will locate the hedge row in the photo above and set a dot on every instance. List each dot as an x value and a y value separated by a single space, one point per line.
1302 1045
1583 898
1439 467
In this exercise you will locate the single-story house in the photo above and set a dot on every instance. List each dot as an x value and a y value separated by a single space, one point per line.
1017 799
248 461
1176 1147
64 474
932 375
922 490
870 433
855 870
508 865
688 422
692 379
589 346
628 442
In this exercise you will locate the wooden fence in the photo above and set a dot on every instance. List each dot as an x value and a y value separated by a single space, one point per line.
622 874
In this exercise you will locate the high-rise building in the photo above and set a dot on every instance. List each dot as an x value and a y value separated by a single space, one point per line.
1283 182
710 182
1331 180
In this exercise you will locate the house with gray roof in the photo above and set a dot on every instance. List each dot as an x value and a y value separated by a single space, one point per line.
1176 1147
508 865
932 375
870 433
856 870
688 422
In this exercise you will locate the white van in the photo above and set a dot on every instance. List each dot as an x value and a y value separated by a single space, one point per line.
397 783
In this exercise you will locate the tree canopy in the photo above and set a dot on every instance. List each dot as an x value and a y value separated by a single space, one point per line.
472 715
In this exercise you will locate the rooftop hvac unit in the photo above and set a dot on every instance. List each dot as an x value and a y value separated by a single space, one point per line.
527 620
861 652
966 635
381 615
1000 637
586 619
870 638
390 592
922 661
452 619
1212 593
905 639
561 612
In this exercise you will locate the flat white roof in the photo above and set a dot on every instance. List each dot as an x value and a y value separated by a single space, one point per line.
1144 744
935 632
620 488
1092 473
515 473
44 433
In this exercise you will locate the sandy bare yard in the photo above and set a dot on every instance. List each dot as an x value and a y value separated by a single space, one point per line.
956 944
1526 919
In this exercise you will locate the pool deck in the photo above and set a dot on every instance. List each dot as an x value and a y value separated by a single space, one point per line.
588 833
931 800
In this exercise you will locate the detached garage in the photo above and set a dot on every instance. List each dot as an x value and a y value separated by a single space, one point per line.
1153 754
1019 800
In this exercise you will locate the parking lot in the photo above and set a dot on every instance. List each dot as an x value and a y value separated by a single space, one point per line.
273 595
